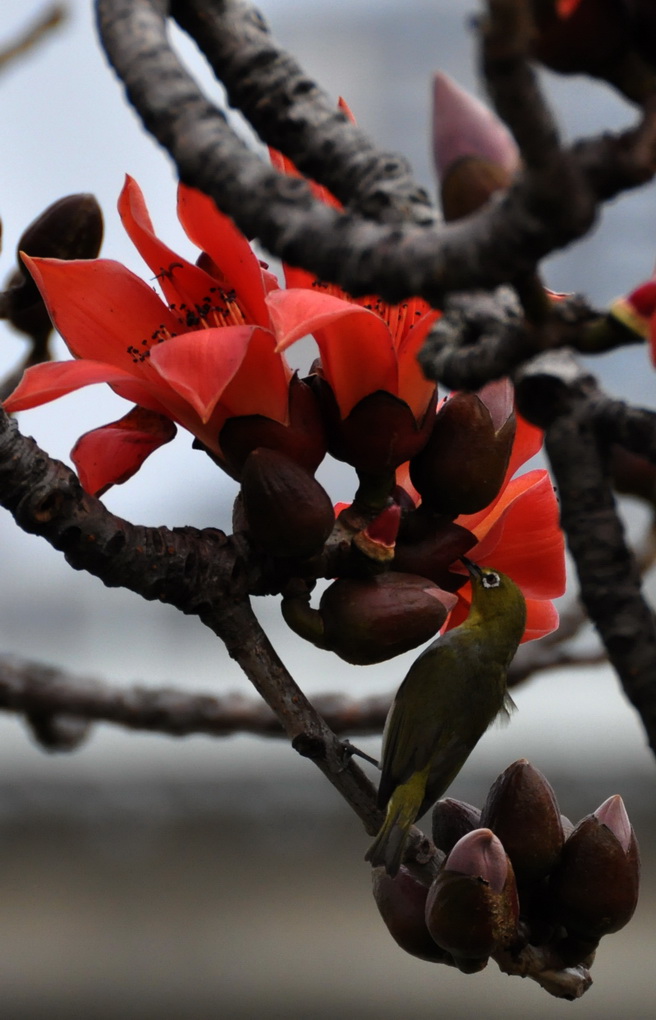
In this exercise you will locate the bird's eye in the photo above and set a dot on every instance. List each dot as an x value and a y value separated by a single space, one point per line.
491 580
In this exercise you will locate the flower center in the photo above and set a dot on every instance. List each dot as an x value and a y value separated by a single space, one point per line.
399 318
218 308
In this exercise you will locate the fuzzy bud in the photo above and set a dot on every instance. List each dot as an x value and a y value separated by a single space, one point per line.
472 907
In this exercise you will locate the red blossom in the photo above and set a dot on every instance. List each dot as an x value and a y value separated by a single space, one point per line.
366 347
203 355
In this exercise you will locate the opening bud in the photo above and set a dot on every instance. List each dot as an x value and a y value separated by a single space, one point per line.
472 907
595 884
462 467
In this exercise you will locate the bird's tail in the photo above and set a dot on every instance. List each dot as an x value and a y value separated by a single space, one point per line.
388 846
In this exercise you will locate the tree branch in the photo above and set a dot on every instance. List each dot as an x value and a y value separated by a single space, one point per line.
555 393
504 240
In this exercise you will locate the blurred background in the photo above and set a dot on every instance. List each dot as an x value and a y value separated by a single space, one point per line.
146 876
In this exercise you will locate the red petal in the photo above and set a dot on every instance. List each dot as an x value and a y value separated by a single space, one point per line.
101 309
285 166
216 234
110 455
346 109
528 442
541 619
181 281
483 521
357 353
526 541
261 386
414 387
43 383
198 366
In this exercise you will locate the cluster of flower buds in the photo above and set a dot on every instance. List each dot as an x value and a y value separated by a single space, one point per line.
396 589
515 875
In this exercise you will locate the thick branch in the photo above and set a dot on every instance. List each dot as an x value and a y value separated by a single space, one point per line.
185 567
282 103
506 239
555 393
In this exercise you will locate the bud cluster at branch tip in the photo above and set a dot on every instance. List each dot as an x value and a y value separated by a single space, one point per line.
516 877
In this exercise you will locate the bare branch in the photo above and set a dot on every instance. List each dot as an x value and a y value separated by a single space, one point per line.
50 18
554 392
503 241
32 688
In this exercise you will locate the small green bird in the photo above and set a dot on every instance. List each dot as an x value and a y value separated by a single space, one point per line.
451 694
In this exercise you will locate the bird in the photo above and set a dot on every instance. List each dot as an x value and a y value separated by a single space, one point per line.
449 697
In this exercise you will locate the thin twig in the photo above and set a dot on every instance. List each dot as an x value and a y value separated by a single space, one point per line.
50 18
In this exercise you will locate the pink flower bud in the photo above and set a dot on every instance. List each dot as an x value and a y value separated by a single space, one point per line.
594 888
475 154
472 907
464 126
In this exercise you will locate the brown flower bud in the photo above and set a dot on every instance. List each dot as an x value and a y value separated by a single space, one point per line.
368 620
469 184
472 907
71 228
302 439
287 511
462 466
594 888
402 904
521 809
453 819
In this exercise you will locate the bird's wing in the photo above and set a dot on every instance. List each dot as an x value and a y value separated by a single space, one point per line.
413 730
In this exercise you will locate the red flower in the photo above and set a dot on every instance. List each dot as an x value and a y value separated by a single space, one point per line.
367 347
204 355
518 534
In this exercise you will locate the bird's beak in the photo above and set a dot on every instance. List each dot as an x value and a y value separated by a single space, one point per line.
472 567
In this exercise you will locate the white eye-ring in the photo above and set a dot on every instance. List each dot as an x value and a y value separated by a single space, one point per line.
491 580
